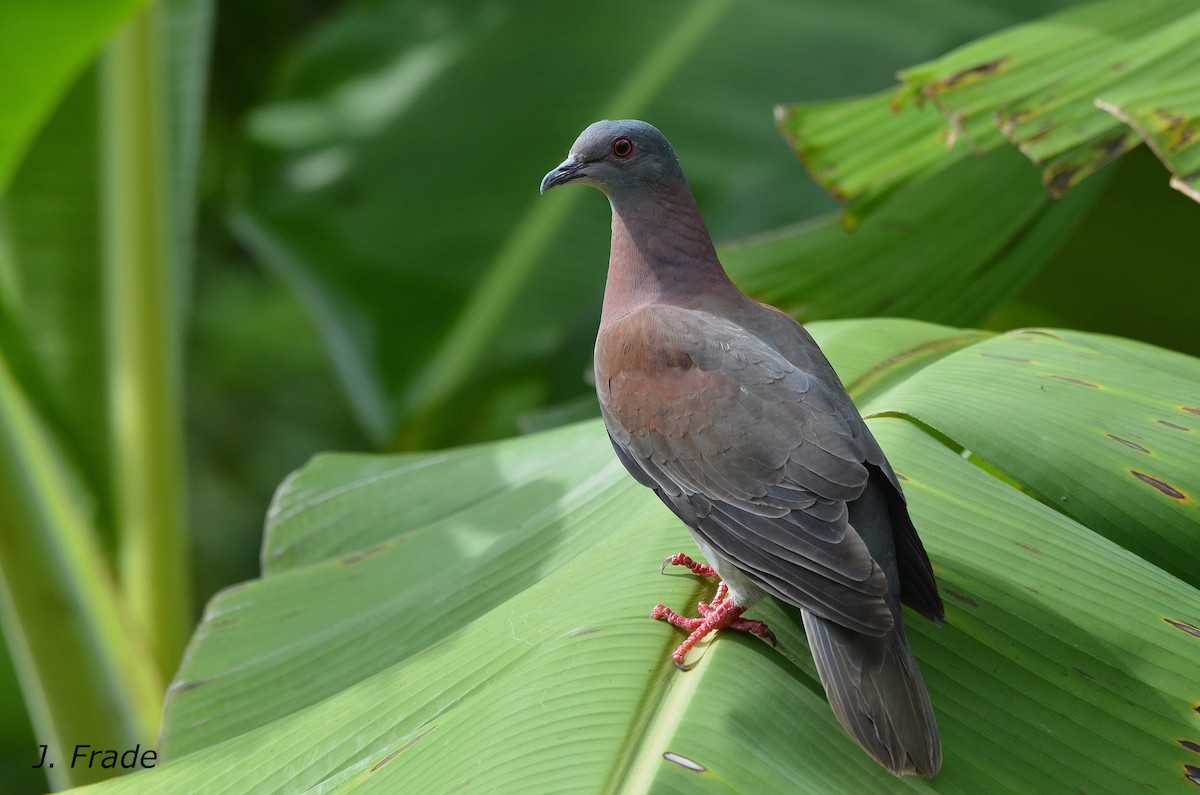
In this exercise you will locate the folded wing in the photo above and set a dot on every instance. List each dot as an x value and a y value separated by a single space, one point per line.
758 456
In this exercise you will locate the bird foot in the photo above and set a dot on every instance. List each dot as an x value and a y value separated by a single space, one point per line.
721 613
680 559
704 570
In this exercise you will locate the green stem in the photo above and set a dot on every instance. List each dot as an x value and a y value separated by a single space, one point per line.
500 287
86 676
143 338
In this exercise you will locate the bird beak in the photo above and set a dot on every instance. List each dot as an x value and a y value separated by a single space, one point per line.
566 171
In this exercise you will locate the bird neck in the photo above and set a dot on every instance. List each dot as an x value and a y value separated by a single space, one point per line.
661 253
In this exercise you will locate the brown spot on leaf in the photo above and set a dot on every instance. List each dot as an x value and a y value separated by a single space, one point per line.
1070 380
363 555
401 749
186 686
960 597
1191 746
1192 774
1127 443
1010 119
1028 547
1173 425
1180 130
1168 118
1083 673
1043 129
1192 410
1163 486
386 759
1114 147
1006 358
1073 167
1059 179
1184 626
966 77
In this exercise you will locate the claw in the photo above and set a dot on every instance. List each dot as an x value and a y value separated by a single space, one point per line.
721 614
680 559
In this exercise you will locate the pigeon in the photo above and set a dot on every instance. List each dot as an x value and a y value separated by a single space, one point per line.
726 408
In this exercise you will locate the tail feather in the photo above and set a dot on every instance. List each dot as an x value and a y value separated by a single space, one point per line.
875 689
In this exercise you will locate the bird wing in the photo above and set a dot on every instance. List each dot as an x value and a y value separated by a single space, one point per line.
757 455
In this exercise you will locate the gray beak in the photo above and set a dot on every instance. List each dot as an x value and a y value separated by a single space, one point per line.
566 171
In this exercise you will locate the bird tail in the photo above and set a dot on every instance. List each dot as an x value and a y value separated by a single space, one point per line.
876 691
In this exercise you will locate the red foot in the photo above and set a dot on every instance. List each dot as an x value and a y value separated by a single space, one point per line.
721 614
680 559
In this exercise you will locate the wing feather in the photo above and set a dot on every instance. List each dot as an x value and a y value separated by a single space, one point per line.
758 455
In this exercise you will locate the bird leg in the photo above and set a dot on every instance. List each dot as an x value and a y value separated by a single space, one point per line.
680 559
722 613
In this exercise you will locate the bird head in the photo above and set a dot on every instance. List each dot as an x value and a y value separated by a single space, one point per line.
625 159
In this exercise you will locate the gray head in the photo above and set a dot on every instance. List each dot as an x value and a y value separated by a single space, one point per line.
625 159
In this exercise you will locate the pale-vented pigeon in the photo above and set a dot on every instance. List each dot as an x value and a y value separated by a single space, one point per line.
727 409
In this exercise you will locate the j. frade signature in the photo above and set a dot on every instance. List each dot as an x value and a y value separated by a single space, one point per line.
85 755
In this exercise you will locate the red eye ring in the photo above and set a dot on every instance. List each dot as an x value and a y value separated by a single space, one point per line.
622 147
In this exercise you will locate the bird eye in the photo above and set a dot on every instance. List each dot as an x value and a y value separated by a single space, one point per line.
622 147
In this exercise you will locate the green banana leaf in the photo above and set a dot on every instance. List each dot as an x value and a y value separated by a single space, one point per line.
1166 115
43 48
949 250
476 620
1043 86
